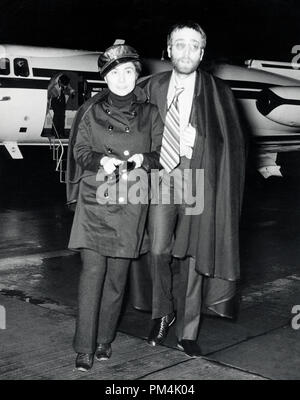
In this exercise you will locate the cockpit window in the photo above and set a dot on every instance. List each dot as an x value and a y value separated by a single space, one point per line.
4 66
21 67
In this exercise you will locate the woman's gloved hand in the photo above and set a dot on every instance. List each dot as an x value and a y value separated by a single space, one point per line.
109 164
138 159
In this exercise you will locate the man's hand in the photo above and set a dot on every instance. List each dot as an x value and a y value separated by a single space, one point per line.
187 137
138 159
109 164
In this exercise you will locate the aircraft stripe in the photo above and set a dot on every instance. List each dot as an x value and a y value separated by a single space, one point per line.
279 66
248 84
29 83
279 138
47 72
23 83
246 94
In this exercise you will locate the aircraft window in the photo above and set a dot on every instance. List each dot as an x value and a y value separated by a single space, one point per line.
4 66
21 67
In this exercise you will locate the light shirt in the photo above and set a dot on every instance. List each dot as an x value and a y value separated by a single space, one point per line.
185 102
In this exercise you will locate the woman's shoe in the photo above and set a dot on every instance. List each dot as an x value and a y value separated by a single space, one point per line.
103 352
84 361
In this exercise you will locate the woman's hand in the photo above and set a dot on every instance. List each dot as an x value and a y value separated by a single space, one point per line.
138 159
109 164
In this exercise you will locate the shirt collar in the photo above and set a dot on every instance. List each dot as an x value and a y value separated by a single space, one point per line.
188 84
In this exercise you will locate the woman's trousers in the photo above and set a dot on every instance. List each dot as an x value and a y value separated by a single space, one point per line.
100 296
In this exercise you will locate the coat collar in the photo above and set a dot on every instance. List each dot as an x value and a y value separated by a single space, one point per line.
139 95
162 93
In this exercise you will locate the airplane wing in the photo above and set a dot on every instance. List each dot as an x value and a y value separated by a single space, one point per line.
13 149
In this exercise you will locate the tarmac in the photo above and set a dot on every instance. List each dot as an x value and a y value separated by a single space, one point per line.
38 288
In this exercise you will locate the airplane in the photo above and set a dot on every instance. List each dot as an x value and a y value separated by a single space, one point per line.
268 96
267 93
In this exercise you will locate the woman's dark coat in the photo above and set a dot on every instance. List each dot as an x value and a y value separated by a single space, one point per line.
113 229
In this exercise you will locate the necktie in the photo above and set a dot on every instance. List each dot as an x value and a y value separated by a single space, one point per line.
169 154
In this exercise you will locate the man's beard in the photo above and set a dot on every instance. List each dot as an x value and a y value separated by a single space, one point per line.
184 68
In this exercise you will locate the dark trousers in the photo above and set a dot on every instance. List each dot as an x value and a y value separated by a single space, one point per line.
161 226
162 222
100 296
189 292
189 300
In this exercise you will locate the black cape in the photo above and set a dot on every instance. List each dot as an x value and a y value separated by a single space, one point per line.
211 238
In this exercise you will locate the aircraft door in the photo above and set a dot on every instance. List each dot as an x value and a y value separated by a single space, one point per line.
62 107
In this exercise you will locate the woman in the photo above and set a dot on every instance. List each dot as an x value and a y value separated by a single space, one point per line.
109 231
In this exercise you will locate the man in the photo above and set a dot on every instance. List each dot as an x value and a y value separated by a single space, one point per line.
200 110
59 92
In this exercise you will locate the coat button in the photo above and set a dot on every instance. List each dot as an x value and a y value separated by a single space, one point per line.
109 150
126 153
110 127
127 129
133 113
107 111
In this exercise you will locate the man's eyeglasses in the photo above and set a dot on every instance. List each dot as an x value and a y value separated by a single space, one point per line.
194 47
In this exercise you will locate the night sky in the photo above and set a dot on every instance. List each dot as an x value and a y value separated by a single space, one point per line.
236 29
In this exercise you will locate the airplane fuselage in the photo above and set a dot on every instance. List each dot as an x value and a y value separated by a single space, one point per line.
268 102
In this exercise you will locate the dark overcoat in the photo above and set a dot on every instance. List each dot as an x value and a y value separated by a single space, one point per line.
112 228
211 237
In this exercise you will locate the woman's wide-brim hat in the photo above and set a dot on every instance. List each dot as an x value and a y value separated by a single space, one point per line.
115 55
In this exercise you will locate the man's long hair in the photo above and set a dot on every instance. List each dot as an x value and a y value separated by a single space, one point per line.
187 24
